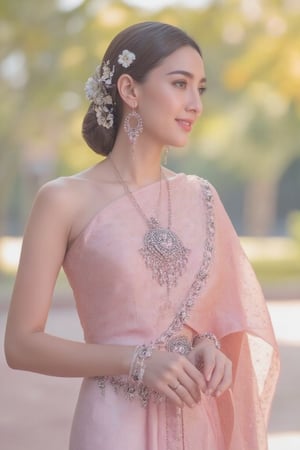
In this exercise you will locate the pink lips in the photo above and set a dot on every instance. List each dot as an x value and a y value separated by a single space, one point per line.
185 124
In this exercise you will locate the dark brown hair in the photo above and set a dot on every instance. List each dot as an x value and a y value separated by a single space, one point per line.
151 42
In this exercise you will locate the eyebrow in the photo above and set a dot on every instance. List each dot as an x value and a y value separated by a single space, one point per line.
185 73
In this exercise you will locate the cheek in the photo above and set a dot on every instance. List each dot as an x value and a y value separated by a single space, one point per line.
160 99
156 115
159 109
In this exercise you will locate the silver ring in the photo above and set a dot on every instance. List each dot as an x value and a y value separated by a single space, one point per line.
176 387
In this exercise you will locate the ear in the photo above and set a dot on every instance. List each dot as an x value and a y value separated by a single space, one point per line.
127 89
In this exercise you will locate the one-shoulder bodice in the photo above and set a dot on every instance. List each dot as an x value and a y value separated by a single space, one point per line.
119 302
117 298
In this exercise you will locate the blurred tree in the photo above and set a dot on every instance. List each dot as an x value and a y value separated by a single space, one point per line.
265 75
251 50
250 126
46 52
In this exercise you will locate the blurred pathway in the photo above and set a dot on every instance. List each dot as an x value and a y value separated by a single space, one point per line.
36 411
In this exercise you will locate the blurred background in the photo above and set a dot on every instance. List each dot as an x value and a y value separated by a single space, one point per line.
247 144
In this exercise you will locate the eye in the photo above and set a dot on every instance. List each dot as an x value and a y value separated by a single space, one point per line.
201 90
180 84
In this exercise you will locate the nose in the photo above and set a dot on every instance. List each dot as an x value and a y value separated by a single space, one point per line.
194 103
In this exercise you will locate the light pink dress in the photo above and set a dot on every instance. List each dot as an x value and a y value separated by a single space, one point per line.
118 302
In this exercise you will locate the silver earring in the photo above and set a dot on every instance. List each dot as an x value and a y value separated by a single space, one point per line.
133 125
165 159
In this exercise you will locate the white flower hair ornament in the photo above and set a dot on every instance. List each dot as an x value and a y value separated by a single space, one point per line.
96 91
98 86
126 58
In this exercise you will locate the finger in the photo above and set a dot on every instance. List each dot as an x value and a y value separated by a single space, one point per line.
226 381
191 387
216 377
195 374
185 396
208 363
173 396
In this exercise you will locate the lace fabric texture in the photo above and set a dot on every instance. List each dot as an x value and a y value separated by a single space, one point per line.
118 303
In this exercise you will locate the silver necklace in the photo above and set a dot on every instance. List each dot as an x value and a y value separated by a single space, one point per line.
163 251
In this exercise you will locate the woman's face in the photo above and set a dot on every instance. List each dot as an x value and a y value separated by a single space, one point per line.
169 100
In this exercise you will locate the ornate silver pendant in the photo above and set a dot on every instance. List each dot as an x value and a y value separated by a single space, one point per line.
164 254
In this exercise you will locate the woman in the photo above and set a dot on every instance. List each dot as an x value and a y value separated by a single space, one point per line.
156 268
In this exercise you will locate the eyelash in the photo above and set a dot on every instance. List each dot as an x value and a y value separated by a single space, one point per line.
182 84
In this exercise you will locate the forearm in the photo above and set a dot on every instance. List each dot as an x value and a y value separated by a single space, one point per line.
50 355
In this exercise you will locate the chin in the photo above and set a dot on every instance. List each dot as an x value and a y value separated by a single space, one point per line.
179 143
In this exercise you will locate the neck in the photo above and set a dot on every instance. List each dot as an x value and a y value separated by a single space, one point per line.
141 168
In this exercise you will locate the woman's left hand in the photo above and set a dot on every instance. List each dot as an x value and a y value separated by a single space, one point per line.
214 365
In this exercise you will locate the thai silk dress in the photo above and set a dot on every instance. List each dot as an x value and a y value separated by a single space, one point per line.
119 302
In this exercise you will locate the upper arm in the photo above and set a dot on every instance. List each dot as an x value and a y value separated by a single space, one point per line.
44 246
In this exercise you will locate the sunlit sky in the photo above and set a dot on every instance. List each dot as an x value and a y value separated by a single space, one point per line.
156 4
68 5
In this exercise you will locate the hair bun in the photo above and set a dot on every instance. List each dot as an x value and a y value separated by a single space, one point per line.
98 141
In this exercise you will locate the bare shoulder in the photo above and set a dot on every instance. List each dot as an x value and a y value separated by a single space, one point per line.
75 199
56 191
63 188
60 195
53 210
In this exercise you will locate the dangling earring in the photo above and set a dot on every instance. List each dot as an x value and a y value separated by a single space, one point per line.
165 158
133 125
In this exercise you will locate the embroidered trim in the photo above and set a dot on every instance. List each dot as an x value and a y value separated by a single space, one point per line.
134 390
131 390
201 277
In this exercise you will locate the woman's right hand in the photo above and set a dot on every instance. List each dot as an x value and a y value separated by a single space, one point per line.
173 375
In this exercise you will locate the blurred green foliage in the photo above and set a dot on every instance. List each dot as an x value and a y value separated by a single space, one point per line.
294 225
280 270
245 142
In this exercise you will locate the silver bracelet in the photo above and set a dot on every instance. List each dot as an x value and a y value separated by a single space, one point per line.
210 336
137 366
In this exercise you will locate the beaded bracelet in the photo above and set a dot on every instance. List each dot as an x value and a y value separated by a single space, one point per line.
210 336
137 366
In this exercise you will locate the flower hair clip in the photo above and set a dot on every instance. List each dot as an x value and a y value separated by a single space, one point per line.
126 58
97 89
